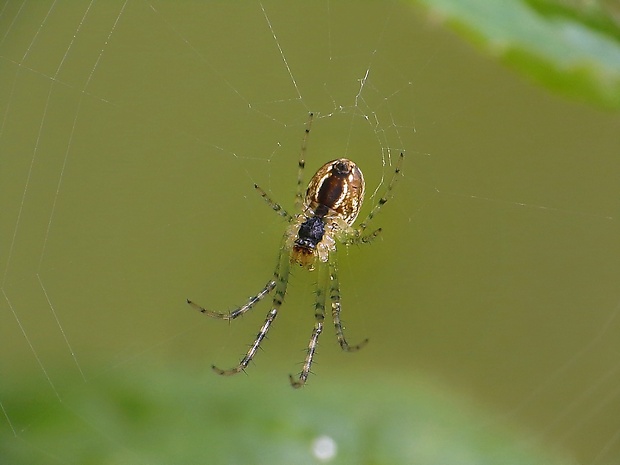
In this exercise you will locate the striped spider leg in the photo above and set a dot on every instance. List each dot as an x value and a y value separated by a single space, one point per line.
338 229
327 285
279 283
326 214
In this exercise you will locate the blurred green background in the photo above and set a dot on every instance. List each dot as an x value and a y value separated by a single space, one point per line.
131 134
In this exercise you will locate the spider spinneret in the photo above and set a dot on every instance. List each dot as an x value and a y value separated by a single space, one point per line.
330 207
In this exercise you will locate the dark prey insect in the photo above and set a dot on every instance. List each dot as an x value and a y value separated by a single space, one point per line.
326 214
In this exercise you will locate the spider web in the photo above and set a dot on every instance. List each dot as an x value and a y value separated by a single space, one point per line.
131 134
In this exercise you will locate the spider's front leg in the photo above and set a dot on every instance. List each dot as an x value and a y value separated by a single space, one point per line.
254 347
334 295
280 280
239 310
319 316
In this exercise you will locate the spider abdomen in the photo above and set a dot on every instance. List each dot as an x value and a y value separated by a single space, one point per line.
338 187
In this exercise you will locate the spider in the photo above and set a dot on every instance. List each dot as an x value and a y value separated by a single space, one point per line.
326 214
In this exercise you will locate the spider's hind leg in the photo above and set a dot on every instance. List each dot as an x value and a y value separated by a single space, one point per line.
275 206
301 164
389 192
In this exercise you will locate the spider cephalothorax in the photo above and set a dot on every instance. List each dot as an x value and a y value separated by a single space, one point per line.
326 215
309 235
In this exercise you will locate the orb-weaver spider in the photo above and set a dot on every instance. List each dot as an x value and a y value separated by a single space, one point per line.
326 214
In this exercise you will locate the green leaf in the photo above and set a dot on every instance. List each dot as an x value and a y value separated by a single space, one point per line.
186 418
570 46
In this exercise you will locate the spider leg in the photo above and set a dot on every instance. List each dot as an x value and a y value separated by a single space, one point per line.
356 237
253 348
275 206
334 295
239 310
281 281
383 200
302 164
368 238
319 316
